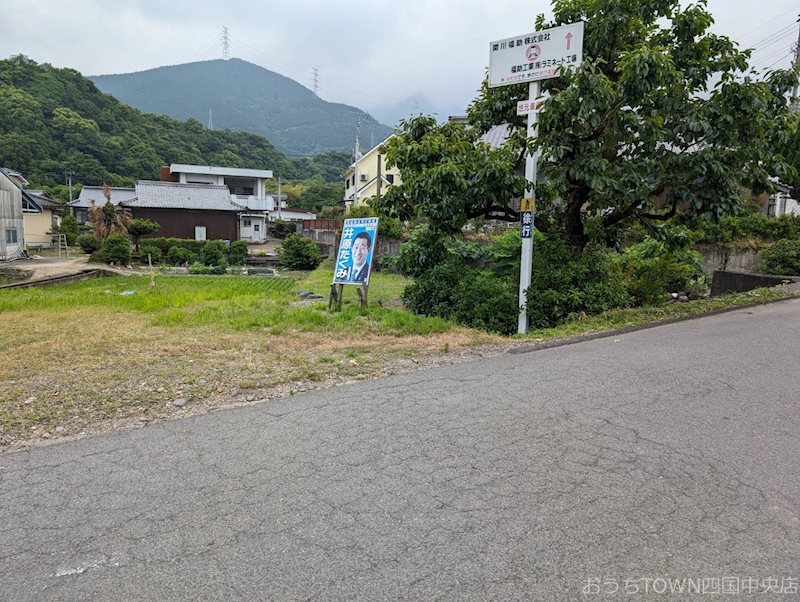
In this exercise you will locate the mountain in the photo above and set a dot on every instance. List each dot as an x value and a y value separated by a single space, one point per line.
54 121
246 98
414 105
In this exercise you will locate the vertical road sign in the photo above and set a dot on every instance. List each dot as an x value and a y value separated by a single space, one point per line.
530 58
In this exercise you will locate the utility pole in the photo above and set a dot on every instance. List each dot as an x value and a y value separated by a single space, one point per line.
357 156
795 103
226 43
315 80
210 120
279 198
68 177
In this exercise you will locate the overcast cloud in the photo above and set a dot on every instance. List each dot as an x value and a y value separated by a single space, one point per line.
368 54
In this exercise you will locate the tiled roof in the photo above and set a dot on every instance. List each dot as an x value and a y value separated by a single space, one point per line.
169 195
497 136
92 196
45 201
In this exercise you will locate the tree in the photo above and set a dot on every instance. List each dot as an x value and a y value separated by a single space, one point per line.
139 227
662 117
107 220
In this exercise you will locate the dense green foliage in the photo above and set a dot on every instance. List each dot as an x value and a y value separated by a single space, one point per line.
115 249
214 252
150 253
139 227
245 98
299 253
180 256
782 258
388 227
652 270
237 253
55 119
563 285
89 243
69 227
662 117
750 227
476 298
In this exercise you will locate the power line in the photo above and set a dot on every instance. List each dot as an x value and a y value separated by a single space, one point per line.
771 21
784 57
774 35
775 38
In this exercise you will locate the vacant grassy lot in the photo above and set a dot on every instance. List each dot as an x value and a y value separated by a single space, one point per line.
101 353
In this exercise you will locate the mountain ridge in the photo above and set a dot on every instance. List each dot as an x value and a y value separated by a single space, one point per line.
245 97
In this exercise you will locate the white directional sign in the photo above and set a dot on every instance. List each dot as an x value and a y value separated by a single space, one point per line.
534 56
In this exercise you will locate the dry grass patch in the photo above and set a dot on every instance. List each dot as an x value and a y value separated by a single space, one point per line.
71 368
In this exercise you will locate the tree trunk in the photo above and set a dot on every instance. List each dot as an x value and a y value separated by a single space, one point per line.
573 224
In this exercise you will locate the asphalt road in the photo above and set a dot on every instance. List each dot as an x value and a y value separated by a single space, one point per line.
670 453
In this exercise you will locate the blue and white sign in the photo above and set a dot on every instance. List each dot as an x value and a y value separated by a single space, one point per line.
354 260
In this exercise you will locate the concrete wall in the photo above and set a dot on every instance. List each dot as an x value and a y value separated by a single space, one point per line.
740 282
716 258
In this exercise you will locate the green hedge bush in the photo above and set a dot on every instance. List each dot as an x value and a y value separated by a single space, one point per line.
89 243
298 252
115 249
180 256
782 258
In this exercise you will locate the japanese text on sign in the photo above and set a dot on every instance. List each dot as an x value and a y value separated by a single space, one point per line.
535 56
354 260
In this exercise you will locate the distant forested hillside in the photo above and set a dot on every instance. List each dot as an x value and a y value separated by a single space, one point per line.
246 98
54 120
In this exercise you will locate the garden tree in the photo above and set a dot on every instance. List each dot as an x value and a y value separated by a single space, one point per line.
662 117
139 227
107 220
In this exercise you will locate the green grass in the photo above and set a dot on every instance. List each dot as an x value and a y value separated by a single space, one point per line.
234 303
620 318
384 288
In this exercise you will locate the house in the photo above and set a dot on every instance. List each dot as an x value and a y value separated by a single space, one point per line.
247 188
373 177
14 203
39 226
779 202
199 211
92 196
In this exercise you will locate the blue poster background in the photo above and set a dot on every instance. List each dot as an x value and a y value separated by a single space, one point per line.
353 262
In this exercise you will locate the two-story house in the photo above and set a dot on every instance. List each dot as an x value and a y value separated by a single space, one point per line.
247 189
372 179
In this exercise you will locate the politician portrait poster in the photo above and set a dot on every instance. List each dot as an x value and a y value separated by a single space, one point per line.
354 261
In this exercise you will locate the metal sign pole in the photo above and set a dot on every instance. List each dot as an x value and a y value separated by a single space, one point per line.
526 215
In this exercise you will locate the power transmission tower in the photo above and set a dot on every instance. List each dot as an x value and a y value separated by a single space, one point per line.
315 79
226 43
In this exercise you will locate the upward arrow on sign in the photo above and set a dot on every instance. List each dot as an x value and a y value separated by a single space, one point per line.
569 39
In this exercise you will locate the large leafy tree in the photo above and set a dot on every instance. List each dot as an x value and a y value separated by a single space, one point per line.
661 117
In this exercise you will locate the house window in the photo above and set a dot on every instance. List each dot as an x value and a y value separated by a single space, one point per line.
247 222
390 178
256 228
11 236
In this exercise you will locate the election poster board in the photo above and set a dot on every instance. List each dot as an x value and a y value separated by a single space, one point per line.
354 260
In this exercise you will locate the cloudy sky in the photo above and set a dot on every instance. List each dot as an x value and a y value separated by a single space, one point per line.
369 54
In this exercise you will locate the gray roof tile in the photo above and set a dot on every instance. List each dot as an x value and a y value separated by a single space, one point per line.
170 195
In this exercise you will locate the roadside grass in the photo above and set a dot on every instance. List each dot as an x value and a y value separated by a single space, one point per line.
92 355
620 318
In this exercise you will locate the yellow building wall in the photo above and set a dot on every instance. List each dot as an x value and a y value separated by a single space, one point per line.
37 226
368 169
